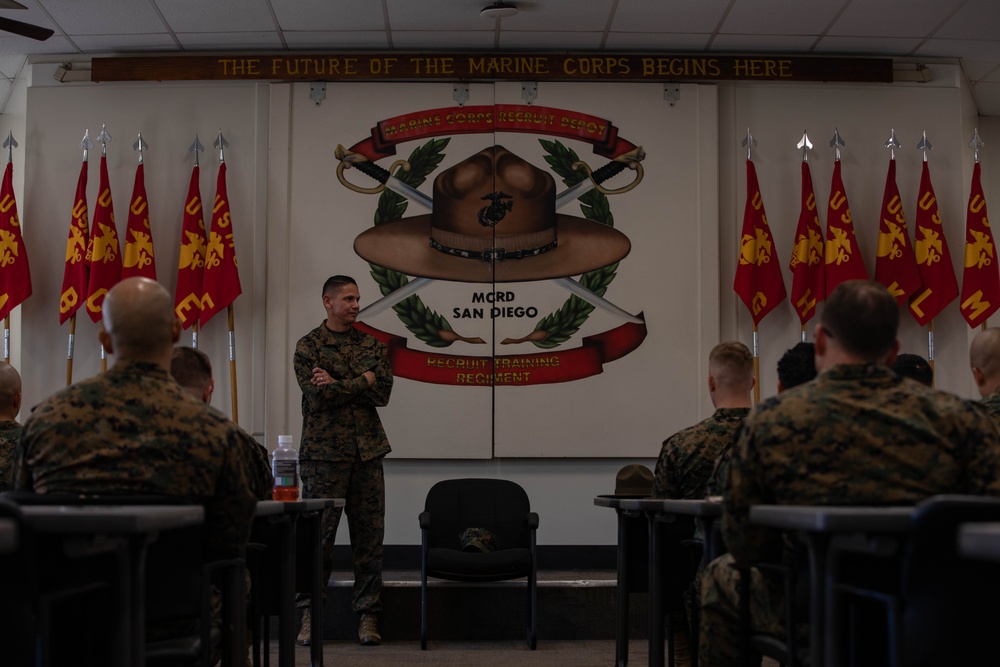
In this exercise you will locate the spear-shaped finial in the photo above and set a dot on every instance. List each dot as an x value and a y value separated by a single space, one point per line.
805 146
86 144
139 145
10 144
976 143
892 143
924 145
104 137
196 147
221 143
749 143
837 142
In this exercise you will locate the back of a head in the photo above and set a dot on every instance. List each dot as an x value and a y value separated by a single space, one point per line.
797 365
192 369
861 317
984 354
731 364
138 316
10 390
915 367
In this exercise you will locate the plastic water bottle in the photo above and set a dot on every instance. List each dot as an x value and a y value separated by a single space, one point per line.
285 468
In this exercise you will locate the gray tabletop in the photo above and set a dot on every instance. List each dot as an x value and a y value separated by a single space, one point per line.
123 519
8 536
979 540
704 508
271 507
832 518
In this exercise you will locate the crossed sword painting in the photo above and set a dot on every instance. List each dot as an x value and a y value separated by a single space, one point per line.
447 240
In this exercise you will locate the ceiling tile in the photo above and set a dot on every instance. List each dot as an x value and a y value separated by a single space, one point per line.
329 14
764 43
977 19
673 16
961 48
431 39
573 41
105 17
450 15
5 87
870 45
981 69
781 17
205 41
670 42
337 39
216 16
54 44
11 64
987 95
893 18
125 43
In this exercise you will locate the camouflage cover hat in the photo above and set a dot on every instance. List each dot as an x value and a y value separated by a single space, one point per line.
494 220
634 480
478 540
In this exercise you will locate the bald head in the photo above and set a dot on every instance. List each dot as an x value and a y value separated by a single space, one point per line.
139 321
730 375
10 391
984 358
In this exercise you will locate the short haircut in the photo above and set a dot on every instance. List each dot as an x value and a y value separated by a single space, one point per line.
797 365
191 368
915 367
10 382
984 353
334 283
862 317
731 364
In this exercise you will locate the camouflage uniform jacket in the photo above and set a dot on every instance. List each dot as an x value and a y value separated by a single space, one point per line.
261 478
857 435
339 420
991 404
687 458
10 431
134 430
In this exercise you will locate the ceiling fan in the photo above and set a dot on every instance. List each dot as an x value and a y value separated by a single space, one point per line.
19 28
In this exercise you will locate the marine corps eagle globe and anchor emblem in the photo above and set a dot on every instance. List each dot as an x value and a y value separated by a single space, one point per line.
493 219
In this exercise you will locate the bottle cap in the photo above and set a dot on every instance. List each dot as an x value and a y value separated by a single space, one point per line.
284 440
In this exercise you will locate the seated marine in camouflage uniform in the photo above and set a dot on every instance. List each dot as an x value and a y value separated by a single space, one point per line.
984 358
10 430
857 434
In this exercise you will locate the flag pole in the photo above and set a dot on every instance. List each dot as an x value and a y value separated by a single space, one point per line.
86 144
232 363
6 338
756 367
104 138
924 145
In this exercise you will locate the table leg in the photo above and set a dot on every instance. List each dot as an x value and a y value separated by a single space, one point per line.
316 559
622 598
286 619
819 578
655 594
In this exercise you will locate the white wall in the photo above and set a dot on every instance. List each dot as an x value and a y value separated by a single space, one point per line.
267 190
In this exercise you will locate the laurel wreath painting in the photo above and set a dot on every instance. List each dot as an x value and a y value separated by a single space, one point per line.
429 326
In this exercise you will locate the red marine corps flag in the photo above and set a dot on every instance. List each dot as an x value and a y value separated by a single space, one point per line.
76 275
895 265
843 255
981 279
936 270
191 265
138 258
758 276
222 277
15 276
104 254
807 256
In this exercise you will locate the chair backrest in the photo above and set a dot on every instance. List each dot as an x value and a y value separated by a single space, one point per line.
18 591
499 505
949 602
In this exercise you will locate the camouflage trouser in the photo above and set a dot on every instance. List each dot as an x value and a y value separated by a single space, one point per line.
719 627
362 486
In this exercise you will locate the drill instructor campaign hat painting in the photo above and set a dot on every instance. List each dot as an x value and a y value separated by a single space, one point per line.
494 220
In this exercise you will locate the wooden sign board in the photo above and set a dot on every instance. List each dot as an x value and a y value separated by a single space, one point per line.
490 67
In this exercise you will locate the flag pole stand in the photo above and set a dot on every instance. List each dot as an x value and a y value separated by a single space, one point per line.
69 352
232 363
802 335
756 367
6 338
104 353
194 335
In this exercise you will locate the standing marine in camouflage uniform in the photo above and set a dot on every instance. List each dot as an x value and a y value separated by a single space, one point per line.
134 430
687 458
193 371
984 358
344 375
10 430
857 434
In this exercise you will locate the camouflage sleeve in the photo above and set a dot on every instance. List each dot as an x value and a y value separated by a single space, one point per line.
21 474
229 513
747 487
382 388
982 449
261 479
664 486
306 358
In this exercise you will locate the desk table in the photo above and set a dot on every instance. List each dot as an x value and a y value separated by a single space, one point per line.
79 527
289 515
980 540
8 536
656 510
843 527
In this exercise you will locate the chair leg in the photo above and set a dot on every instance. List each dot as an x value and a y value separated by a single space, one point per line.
423 610
532 610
